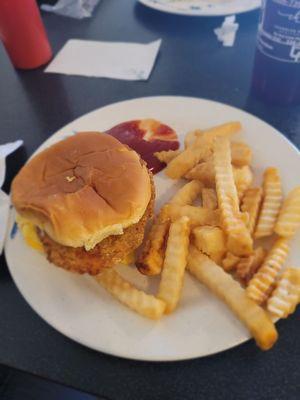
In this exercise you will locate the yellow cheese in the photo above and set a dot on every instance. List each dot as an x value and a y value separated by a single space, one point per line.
29 233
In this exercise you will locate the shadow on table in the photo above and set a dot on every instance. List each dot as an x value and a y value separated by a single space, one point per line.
45 92
15 385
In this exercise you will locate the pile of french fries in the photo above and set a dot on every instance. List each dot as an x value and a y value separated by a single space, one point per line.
219 241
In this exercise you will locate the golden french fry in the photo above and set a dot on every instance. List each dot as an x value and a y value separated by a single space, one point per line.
174 265
139 301
187 159
272 198
187 194
250 203
190 137
209 199
260 286
211 241
286 295
248 266
129 259
239 241
241 154
243 178
224 172
197 215
234 296
203 172
167 156
226 130
245 218
289 217
200 150
230 261
150 260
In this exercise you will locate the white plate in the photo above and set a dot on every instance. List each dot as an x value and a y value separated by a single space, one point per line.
207 8
80 309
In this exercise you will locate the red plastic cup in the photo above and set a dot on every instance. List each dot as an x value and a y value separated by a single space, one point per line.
23 33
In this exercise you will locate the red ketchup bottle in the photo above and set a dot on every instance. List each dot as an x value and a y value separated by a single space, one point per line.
23 33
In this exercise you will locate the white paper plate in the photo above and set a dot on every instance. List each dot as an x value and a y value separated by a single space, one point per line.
208 8
80 309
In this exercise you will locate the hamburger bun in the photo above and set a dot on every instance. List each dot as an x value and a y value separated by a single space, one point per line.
83 189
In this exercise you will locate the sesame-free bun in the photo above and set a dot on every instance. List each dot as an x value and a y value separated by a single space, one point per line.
83 189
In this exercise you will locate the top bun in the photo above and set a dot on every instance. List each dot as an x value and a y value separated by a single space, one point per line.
83 189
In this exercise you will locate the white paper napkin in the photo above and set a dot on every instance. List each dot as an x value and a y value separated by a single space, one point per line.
5 150
226 33
128 61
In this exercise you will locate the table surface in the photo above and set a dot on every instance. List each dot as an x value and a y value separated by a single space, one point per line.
33 105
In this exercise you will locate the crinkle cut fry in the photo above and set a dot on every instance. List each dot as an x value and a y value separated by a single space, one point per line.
139 301
248 266
286 295
239 241
243 178
151 259
229 291
174 264
289 217
272 199
251 204
261 285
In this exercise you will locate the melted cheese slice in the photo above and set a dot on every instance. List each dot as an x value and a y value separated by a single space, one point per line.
28 230
29 233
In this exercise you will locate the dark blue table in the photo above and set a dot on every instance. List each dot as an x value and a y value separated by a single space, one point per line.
33 105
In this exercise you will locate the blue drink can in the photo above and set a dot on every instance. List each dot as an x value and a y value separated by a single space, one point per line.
276 74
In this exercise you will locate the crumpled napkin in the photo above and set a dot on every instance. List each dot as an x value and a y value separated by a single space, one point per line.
226 33
118 60
5 150
72 8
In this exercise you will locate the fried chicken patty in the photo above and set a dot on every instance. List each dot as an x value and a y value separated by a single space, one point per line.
105 254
